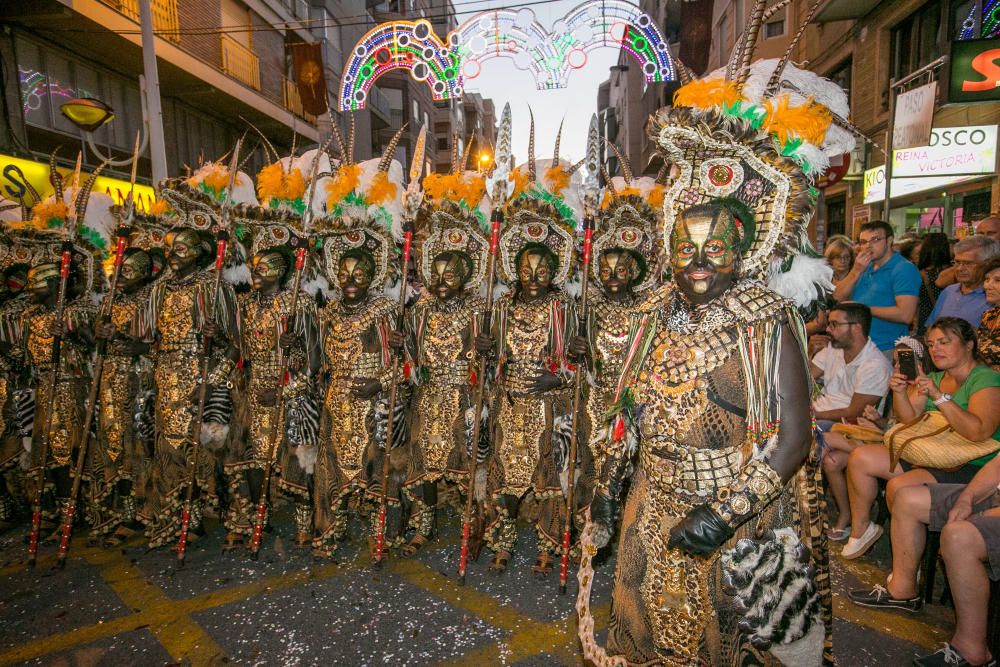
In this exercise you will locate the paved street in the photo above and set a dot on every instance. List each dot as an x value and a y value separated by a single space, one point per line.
128 607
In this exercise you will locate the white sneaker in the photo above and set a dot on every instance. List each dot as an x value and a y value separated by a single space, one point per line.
858 546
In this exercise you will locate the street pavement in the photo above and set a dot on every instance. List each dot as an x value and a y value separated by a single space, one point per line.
127 606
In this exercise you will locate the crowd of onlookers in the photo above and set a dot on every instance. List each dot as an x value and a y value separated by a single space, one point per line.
907 357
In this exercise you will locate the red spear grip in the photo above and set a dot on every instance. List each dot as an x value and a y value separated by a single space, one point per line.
587 238
380 535
463 556
182 542
36 525
258 526
300 259
564 565
220 254
407 243
120 250
67 528
64 268
494 237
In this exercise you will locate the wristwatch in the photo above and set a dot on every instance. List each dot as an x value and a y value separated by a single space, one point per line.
943 398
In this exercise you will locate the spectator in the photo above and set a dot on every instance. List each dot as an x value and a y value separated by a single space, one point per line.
839 253
935 257
989 227
989 328
885 282
838 445
968 518
966 298
964 391
910 248
853 370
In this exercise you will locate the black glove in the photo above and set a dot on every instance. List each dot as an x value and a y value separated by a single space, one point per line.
700 533
603 511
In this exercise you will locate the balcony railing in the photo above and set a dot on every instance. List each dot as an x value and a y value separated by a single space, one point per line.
294 103
164 15
240 62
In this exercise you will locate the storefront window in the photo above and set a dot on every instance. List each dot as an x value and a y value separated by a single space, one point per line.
917 40
949 213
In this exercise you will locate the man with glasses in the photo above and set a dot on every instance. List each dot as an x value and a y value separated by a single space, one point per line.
854 372
885 282
966 298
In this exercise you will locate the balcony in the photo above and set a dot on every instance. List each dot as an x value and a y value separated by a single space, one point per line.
164 15
294 103
240 62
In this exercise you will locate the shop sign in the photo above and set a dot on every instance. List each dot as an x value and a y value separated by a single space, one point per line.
952 151
839 166
954 155
14 187
860 214
975 71
914 116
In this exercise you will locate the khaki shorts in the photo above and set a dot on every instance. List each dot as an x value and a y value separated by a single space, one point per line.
943 497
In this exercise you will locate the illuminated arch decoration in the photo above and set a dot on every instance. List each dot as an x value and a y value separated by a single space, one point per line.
408 45
550 55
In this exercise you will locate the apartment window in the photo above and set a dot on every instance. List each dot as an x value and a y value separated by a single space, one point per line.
723 39
842 77
774 29
443 144
917 40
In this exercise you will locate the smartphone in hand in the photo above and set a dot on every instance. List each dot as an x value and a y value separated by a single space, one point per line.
907 364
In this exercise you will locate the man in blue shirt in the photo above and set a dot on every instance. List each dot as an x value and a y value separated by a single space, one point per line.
885 282
966 298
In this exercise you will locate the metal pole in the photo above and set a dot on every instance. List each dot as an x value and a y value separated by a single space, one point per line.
157 145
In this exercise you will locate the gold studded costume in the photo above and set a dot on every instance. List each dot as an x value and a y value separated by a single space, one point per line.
722 554
13 259
180 307
262 319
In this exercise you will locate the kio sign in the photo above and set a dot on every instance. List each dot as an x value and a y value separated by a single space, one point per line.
954 155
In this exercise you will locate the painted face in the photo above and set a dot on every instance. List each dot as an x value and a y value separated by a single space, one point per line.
43 281
183 252
267 269
135 269
991 284
534 273
354 277
447 276
617 271
705 245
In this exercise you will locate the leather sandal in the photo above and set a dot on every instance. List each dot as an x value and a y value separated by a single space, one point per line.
499 564
233 541
543 564
415 544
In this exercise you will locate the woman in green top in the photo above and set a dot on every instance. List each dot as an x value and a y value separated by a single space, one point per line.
965 391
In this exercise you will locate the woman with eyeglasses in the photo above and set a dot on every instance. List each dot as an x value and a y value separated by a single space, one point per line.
964 390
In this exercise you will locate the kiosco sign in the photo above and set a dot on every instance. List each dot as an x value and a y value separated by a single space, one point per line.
954 155
14 187
975 71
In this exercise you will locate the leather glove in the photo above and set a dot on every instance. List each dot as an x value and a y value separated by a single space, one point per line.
700 533
603 511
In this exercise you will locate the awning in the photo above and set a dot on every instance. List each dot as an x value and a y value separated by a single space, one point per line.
840 10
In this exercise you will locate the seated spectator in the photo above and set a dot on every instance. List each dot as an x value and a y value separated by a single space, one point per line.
844 439
966 393
935 257
989 227
968 518
853 371
966 298
989 328
885 282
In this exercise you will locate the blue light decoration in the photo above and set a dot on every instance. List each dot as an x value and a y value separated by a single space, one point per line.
549 55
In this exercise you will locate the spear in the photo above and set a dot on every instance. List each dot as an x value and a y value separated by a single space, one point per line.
498 181
222 240
102 345
590 204
54 359
275 435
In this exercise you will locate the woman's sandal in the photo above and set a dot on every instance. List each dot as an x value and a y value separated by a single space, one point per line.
303 541
415 544
543 564
499 564
121 535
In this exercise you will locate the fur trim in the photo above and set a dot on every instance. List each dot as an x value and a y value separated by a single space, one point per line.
237 275
214 435
306 456
807 280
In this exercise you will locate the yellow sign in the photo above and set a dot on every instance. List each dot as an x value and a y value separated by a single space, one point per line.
15 171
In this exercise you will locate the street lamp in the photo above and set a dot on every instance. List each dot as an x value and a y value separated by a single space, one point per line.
484 162
90 114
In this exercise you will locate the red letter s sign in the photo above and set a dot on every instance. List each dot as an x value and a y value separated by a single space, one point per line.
985 64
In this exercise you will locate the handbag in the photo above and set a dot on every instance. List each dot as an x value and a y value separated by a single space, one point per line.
929 441
862 434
